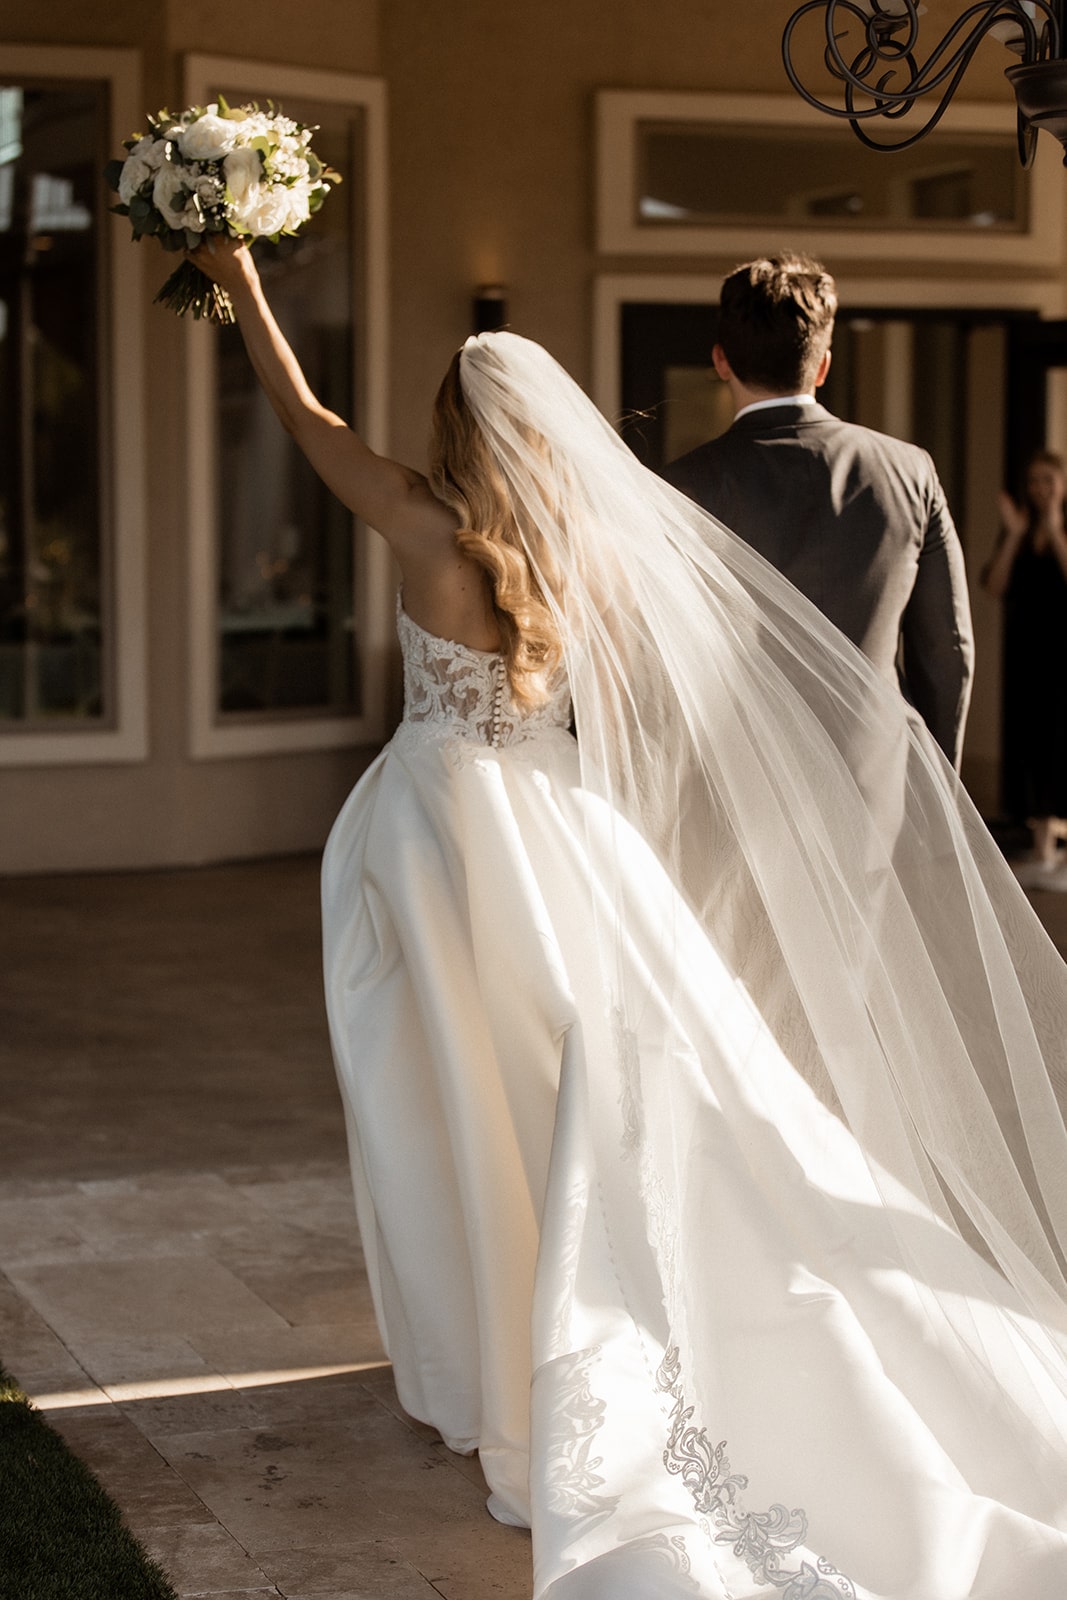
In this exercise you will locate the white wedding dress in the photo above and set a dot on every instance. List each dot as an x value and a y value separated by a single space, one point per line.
633 1260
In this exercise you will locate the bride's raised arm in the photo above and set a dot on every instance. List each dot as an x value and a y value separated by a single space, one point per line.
394 499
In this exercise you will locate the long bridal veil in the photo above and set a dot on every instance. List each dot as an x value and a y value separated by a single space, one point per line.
814 832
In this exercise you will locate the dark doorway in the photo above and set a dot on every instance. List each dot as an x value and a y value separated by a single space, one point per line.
898 369
970 386
1035 350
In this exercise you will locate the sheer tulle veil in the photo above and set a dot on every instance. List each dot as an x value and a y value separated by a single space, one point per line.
813 829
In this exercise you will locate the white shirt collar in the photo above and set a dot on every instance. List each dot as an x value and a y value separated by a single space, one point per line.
777 400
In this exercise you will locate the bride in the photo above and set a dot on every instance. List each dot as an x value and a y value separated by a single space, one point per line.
698 1071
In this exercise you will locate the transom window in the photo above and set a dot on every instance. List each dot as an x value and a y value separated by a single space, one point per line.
712 175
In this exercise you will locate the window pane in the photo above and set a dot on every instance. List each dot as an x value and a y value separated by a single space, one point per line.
700 174
287 631
52 604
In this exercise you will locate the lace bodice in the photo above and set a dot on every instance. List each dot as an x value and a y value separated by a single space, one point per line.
465 691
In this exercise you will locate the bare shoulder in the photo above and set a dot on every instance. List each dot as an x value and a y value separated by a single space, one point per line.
410 514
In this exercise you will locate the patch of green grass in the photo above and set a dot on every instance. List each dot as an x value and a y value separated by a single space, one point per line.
61 1536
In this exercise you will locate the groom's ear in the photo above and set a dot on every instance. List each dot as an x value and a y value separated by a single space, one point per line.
720 363
824 367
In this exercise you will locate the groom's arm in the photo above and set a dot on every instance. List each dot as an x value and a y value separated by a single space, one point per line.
936 635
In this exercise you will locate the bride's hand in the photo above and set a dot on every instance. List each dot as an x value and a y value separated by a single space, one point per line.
227 262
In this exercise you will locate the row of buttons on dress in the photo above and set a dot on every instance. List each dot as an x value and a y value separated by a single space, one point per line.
496 726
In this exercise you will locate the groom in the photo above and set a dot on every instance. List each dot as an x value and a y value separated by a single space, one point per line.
856 520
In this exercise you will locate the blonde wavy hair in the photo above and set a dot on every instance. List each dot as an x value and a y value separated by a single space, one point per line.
464 475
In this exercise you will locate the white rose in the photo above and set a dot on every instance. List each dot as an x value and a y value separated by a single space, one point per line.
263 211
150 151
169 185
299 205
140 166
243 169
209 138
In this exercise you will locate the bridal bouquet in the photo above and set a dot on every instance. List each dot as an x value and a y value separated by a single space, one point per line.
242 173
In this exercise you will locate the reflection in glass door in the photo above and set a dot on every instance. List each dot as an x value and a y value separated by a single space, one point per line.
54 592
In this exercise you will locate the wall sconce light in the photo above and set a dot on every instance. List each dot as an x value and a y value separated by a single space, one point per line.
489 308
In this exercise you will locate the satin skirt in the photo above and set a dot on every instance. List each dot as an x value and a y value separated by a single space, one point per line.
632 1259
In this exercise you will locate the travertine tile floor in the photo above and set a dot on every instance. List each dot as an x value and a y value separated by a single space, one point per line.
182 1288
180 1277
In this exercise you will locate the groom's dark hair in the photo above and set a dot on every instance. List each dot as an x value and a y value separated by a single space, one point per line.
776 320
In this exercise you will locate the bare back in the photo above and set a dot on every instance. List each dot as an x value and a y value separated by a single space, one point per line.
445 591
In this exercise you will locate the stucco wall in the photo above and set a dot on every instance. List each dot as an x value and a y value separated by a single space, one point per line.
492 131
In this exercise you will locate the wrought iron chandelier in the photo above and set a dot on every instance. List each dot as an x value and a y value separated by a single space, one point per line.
872 49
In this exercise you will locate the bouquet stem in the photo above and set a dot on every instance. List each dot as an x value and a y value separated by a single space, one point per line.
190 290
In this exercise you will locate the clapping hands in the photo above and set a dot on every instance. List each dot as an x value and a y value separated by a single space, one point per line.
1013 519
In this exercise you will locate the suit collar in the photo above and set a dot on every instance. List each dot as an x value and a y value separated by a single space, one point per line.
787 415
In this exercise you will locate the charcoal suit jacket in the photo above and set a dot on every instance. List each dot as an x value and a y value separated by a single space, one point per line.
859 523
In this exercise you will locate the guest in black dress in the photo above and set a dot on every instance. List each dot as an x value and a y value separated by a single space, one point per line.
1028 569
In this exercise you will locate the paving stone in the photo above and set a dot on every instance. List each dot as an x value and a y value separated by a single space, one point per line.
110 1299
30 1348
203 1558
294 1485
353 1571
308 1295
42 1229
116 1218
147 1488
230 1594
149 1363
203 1411
246 1355
324 1203
340 1397
489 1561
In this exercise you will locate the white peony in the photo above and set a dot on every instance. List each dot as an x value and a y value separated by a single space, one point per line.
140 166
242 169
134 175
173 200
262 212
149 150
209 138
299 197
